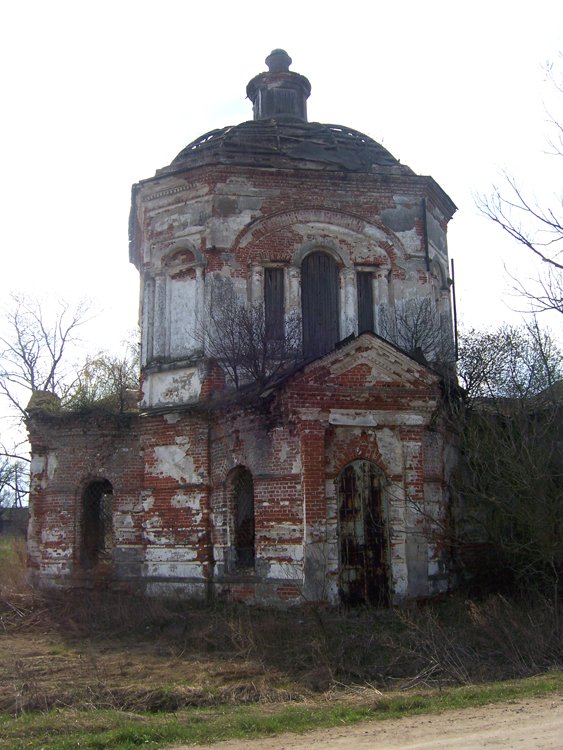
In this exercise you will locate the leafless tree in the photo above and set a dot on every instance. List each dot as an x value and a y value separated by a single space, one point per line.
34 353
34 349
538 228
14 475
510 483
510 362
236 335
417 327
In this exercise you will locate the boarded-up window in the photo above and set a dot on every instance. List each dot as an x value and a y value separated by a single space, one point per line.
243 500
365 301
279 101
97 523
319 299
273 303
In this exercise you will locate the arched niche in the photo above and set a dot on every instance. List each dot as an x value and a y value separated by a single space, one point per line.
96 532
241 495
173 298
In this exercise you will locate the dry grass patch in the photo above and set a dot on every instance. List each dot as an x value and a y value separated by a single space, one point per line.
106 650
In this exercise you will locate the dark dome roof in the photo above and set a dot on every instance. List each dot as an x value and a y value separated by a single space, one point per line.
285 142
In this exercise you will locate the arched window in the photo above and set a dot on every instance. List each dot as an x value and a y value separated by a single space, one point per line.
97 523
319 299
243 514
362 535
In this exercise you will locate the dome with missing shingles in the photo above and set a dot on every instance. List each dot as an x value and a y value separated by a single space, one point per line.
285 143
280 136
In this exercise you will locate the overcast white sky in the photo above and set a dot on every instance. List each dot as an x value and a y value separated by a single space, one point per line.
97 95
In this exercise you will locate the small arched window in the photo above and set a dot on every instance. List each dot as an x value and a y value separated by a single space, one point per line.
243 513
320 289
97 523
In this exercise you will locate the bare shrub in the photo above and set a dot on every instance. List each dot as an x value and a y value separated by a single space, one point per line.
416 326
238 337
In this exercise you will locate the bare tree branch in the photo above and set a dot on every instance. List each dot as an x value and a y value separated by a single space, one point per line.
417 327
33 349
509 486
237 337
539 229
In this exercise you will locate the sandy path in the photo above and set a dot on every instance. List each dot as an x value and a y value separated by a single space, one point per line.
530 724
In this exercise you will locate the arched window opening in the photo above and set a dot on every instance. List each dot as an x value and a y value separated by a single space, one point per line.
362 536
319 300
243 512
97 523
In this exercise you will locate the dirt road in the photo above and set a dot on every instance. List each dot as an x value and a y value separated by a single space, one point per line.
530 724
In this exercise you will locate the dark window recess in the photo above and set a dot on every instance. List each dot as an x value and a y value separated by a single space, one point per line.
319 301
280 101
97 523
273 303
243 495
365 302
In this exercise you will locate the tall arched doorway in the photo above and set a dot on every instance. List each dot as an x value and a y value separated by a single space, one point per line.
319 302
97 523
362 536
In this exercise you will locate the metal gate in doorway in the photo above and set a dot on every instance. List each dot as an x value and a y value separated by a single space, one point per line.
362 536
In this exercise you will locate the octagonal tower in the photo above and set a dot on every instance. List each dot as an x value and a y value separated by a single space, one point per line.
310 220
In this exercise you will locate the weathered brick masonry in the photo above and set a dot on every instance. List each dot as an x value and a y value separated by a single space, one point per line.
328 483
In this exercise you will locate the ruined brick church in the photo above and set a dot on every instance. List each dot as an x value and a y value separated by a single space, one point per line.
328 482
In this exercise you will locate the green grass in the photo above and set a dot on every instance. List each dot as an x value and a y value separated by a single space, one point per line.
112 730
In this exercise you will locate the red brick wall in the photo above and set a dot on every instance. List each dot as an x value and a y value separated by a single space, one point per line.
70 451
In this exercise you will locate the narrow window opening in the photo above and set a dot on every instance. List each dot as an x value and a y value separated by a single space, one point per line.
274 303
365 301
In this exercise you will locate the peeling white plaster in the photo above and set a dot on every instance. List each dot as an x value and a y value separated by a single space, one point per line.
171 387
389 445
192 501
288 571
223 231
174 570
172 461
147 503
52 534
282 553
37 465
175 554
52 464
375 418
410 240
123 521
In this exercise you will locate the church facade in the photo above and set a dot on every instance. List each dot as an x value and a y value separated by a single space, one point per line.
314 468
